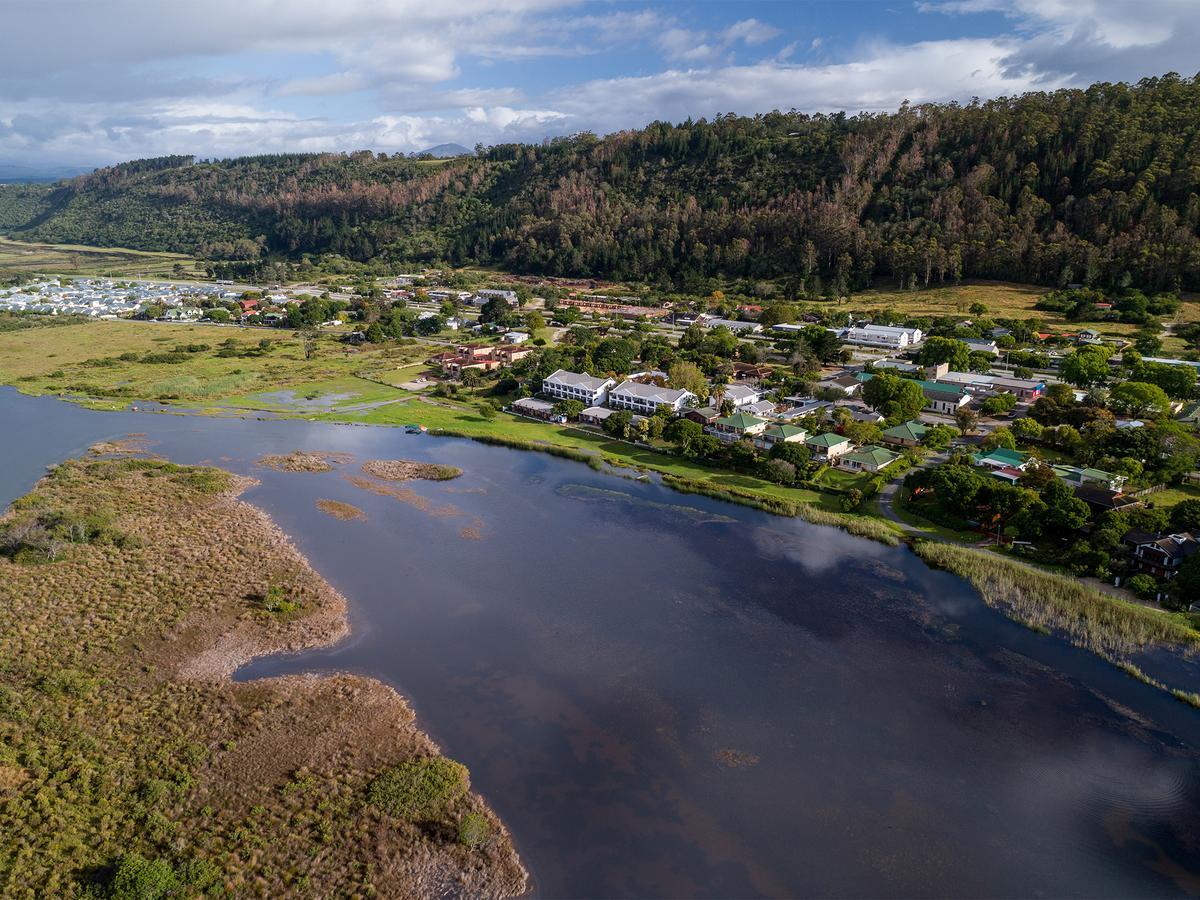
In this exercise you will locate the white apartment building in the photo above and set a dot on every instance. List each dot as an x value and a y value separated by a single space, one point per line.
646 398
884 336
587 389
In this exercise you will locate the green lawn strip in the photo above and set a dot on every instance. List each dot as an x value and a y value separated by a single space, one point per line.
911 517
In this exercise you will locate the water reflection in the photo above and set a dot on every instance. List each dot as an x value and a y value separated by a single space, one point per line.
665 695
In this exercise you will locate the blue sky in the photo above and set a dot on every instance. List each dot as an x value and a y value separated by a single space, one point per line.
90 82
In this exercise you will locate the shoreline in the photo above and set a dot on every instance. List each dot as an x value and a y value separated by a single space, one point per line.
334 732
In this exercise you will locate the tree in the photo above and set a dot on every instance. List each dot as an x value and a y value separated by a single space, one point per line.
138 878
999 403
614 354
965 418
495 310
688 377
374 334
1177 381
779 471
1064 511
488 411
1086 366
1185 516
937 350
1026 429
218 314
618 423
1001 437
1138 398
1184 588
939 437
569 408
1143 585
682 432
899 399
793 452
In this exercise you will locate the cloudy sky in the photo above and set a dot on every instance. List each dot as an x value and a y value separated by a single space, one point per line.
89 82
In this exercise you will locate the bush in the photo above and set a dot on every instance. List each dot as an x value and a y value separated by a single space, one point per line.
276 600
1143 585
138 878
473 830
419 789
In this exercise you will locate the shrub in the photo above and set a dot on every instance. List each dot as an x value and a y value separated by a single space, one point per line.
419 789
276 600
1143 585
473 830
138 878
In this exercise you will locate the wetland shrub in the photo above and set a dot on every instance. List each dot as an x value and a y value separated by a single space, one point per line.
420 789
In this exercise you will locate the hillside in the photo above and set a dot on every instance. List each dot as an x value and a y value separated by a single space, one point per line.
1098 185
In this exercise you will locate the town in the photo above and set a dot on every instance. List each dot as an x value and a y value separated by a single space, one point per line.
1074 447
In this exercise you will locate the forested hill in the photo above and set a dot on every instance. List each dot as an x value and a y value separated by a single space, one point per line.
1099 185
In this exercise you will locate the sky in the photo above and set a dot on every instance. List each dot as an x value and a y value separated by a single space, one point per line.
91 82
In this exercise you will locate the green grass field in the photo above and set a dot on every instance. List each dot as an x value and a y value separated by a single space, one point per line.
21 258
1004 300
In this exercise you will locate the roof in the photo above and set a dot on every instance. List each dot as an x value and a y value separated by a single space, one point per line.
1002 455
872 455
784 431
829 439
740 392
530 403
739 421
907 431
651 392
577 380
597 412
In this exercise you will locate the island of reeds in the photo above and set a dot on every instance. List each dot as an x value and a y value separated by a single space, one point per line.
131 765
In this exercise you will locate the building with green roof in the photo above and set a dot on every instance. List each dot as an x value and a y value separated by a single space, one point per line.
737 426
828 446
779 434
868 459
909 434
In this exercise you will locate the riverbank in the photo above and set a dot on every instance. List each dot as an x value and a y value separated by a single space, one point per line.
130 590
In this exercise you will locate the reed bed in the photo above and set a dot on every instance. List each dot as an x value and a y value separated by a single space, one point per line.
1107 625
122 738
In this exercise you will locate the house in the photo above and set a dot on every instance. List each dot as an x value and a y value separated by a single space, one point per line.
741 395
734 325
868 459
621 310
479 357
595 415
803 406
537 409
847 384
829 446
884 336
587 389
1088 336
1077 476
864 414
761 408
483 296
1189 415
735 427
751 372
516 337
908 434
981 345
705 415
1002 458
1163 555
1103 499
779 434
646 398
942 398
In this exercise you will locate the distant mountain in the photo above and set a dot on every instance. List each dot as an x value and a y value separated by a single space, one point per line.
15 173
1099 185
446 151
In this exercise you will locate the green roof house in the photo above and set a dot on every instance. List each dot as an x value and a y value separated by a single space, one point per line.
779 434
828 446
738 426
868 459
907 435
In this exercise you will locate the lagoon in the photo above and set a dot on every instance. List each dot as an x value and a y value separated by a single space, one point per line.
666 695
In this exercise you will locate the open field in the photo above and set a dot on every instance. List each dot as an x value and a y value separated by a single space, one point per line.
69 259
1004 300
124 744
108 359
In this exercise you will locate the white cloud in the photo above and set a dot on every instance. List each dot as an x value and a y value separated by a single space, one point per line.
97 82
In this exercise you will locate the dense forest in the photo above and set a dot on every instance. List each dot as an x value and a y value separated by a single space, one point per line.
1098 186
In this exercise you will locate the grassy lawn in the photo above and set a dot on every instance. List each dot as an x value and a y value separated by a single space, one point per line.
1173 495
83 359
1004 300
70 259
911 517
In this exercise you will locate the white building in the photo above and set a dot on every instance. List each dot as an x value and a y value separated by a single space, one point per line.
646 398
587 389
884 336
483 296
741 395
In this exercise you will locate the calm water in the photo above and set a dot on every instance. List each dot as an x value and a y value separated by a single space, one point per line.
666 695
